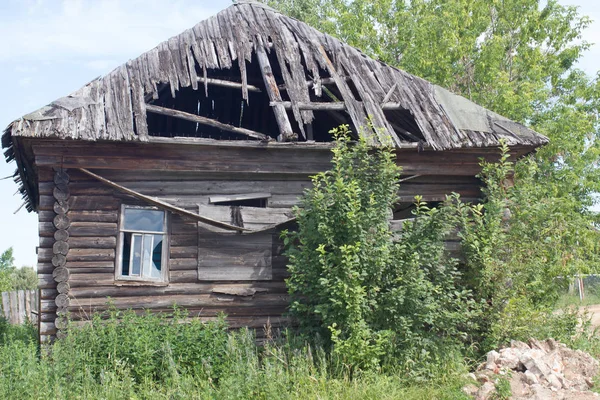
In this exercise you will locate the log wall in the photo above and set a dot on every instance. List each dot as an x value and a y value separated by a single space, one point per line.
78 226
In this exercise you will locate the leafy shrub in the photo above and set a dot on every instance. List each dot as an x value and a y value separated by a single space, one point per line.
521 246
372 296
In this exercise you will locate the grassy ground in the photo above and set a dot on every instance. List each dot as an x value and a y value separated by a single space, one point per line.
573 300
151 358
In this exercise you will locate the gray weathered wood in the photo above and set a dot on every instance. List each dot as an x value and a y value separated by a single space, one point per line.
285 128
228 84
205 121
163 204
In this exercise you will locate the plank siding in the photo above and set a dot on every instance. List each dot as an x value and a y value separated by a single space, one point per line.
208 272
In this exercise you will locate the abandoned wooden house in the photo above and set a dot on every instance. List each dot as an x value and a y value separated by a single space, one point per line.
168 180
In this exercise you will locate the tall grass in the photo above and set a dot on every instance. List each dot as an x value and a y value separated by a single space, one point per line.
155 357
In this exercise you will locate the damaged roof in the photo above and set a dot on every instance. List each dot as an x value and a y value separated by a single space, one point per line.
114 108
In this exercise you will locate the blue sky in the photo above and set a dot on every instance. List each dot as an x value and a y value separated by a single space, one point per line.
50 48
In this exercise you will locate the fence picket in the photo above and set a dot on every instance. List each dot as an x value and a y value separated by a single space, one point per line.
20 306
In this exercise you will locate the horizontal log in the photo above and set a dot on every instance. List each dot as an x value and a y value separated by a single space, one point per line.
91 279
45 268
76 266
79 203
185 301
44 254
183 240
48 294
91 255
205 121
183 264
106 242
176 289
46 281
93 229
191 276
184 251
47 328
82 216
231 311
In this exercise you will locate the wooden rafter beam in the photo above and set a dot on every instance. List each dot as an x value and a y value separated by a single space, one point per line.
287 134
228 84
389 94
330 106
310 84
162 204
205 121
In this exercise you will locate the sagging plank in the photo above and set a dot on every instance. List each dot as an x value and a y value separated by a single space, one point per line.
162 204
206 121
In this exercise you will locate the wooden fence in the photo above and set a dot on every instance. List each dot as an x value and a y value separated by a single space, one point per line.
20 306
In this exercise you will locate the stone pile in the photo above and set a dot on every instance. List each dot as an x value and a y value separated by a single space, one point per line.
537 370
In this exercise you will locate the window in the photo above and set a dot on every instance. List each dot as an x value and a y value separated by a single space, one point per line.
142 244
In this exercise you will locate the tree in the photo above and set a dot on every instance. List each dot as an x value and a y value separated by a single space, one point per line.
515 57
24 278
13 278
7 266
373 297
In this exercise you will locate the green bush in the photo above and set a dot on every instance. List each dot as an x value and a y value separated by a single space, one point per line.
373 297
522 246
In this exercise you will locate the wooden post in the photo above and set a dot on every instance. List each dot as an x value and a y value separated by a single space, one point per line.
285 128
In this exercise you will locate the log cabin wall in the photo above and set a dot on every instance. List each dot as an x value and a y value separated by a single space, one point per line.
206 273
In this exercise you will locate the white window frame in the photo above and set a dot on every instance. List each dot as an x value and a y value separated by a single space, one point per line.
164 262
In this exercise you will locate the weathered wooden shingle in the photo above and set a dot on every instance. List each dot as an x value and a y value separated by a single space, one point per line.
114 107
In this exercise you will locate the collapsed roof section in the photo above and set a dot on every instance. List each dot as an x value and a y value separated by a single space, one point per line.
250 72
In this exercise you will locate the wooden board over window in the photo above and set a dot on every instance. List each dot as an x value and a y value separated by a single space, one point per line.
227 256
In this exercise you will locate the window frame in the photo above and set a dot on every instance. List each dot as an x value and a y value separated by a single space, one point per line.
164 270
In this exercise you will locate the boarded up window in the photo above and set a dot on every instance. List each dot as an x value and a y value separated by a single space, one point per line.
227 256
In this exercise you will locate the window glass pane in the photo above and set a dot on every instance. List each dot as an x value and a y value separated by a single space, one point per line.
144 220
147 254
126 253
157 256
136 255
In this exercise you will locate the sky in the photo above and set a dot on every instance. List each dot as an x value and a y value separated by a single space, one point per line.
50 48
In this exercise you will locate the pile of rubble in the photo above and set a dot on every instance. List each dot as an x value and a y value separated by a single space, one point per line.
537 370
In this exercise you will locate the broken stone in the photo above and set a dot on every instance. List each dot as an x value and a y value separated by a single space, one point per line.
530 378
485 391
470 390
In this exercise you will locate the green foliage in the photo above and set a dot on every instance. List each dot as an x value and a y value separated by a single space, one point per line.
7 267
519 246
79 367
372 297
24 278
515 57
13 278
